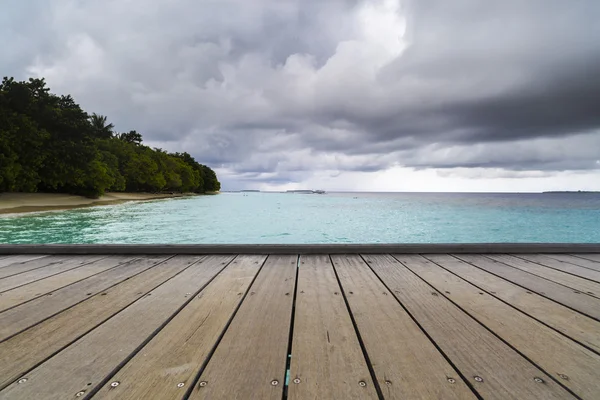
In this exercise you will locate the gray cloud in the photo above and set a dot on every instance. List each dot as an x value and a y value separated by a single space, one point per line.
274 91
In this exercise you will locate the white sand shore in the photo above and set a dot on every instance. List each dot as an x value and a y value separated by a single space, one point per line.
32 202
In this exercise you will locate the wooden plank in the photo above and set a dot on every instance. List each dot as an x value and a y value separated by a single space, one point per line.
493 368
561 265
24 293
282 249
21 259
588 256
573 259
574 282
574 299
571 323
253 352
28 265
84 365
326 355
69 262
176 354
527 335
406 363
25 315
32 346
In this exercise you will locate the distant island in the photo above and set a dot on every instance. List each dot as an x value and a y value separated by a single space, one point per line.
49 144
572 191
303 191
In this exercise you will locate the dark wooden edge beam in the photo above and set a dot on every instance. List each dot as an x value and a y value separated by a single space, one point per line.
299 248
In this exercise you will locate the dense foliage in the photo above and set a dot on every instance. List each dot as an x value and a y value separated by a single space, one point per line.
49 144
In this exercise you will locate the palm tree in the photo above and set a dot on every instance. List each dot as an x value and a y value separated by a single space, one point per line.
130 137
100 127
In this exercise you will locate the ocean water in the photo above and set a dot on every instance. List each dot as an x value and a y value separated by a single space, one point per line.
330 218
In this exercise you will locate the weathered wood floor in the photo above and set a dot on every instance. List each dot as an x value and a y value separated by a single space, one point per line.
441 326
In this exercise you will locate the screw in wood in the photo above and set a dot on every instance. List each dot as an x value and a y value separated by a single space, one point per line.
275 382
79 394
115 384
297 380
362 383
451 380
538 380
478 378
202 384
180 384
22 380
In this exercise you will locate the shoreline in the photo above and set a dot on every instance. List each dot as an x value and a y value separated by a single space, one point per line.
20 203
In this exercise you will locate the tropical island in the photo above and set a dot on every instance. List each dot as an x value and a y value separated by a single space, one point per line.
305 191
50 145
570 191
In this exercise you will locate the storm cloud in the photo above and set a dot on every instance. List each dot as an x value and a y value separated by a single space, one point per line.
275 92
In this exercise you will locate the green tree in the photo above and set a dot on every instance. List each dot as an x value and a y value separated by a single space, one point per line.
100 127
130 137
211 183
49 143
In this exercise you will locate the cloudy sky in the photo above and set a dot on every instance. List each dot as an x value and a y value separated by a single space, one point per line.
382 95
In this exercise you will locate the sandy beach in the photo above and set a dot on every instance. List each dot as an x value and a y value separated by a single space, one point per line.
35 202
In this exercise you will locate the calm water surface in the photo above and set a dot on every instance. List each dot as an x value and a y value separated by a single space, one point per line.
330 218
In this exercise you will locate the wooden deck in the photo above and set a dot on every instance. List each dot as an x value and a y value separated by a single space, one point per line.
308 326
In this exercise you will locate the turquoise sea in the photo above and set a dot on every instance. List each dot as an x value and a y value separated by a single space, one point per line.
328 218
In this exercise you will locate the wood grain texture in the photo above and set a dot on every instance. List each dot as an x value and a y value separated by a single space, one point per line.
20 259
22 294
175 355
572 298
28 314
253 352
39 342
574 282
230 339
494 369
399 351
588 256
525 334
26 264
573 324
581 261
82 366
65 264
326 355
567 267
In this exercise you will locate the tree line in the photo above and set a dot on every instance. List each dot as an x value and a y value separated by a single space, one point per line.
48 143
